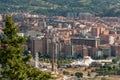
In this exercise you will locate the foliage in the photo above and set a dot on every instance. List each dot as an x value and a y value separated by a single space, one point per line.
79 74
66 73
116 59
61 7
47 60
89 73
104 78
65 61
15 66
108 70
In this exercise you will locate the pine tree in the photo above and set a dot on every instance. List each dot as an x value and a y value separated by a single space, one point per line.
15 66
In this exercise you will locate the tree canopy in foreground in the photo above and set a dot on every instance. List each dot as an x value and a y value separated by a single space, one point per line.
15 66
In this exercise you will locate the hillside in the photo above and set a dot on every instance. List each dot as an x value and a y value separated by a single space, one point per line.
61 7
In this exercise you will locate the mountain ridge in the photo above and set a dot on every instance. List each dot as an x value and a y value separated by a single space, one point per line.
62 7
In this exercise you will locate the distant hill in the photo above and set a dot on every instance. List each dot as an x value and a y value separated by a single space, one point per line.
61 7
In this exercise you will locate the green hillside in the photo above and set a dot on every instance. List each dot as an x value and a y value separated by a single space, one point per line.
61 7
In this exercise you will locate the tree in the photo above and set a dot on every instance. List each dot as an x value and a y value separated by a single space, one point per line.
114 61
104 78
105 56
66 73
16 66
78 74
89 73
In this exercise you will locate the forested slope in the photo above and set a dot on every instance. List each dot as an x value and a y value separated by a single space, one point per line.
61 7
